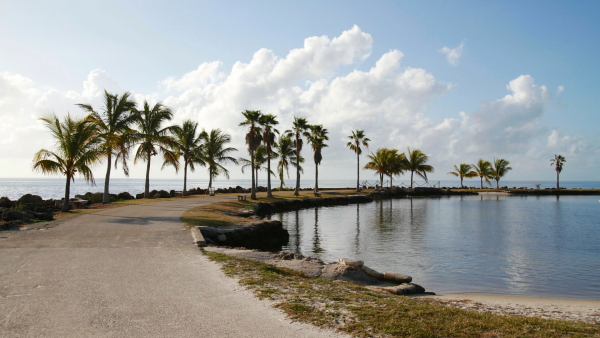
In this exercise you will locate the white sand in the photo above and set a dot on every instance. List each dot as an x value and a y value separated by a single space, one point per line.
551 308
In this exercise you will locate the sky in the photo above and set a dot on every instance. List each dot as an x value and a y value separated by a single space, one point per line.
458 80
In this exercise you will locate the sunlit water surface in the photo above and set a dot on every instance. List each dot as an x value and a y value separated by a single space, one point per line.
526 246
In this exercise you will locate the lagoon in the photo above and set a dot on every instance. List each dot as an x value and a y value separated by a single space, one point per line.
539 246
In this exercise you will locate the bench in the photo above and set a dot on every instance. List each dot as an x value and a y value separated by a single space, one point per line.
317 194
241 197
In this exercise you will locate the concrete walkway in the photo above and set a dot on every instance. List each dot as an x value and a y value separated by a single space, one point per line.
126 272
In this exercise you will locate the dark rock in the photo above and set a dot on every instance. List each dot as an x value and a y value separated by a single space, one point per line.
162 194
11 215
30 199
5 202
139 196
270 236
125 196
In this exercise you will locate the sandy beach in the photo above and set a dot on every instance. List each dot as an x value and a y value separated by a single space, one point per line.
550 308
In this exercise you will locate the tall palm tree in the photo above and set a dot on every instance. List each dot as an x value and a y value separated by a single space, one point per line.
416 162
154 138
380 163
299 128
463 170
287 154
557 162
500 169
78 149
317 138
358 139
268 121
484 171
260 158
190 147
253 139
113 124
216 153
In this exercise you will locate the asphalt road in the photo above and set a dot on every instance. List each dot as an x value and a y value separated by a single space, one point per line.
126 272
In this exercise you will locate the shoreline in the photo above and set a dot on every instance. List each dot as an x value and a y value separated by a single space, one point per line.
541 307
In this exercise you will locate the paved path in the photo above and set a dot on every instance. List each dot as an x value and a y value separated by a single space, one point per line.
126 272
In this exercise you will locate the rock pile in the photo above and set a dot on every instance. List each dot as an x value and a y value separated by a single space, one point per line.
268 235
419 191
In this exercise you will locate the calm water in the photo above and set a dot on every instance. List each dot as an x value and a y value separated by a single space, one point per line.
526 246
14 188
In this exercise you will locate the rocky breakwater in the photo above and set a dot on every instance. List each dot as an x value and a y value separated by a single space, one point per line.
267 235
27 209
418 192
296 204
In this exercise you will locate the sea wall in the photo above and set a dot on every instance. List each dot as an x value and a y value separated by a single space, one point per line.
262 208
419 191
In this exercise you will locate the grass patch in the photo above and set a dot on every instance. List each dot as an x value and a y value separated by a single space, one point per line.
365 313
219 214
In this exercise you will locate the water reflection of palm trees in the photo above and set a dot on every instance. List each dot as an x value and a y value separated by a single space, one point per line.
357 238
316 240
297 229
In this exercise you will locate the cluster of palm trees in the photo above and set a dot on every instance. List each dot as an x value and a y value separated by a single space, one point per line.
119 127
390 162
483 169
262 147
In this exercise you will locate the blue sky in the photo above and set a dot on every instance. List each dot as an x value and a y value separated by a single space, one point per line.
48 50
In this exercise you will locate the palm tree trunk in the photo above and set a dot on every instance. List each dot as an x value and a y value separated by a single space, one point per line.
106 196
461 182
184 192
391 180
269 194
147 187
481 178
557 181
316 177
253 189
497 184
256 183
297 191
210 180
65 206
411 178
357 173
381 180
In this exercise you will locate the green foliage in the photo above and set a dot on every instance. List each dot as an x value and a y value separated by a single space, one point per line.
216 153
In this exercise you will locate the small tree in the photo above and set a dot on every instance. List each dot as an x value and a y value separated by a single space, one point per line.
287 154
484 171
113 125
462 171
557 162
155 138
190 147
499 170
216 153
268 121
416 163
358 139
78 150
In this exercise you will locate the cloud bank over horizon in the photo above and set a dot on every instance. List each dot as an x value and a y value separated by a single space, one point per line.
389 101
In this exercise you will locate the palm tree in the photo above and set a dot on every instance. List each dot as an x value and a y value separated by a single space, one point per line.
190 146
500 169
462 171
78 149
317 138
380 163
299 129
113 125
356 140
416 162
253 139
260 158
216 153
558 161
155 138
396 164
287 154
483 169
268 121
